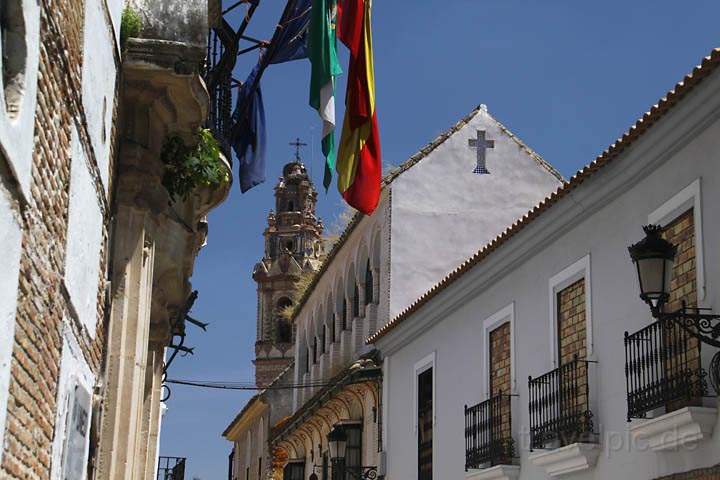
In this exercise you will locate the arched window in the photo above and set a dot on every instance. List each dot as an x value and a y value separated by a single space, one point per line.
344 314
314 349
368 285
332 329
356 302
291 206
323 338
283 328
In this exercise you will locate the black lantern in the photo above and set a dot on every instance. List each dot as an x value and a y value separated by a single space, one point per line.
337 442
653 257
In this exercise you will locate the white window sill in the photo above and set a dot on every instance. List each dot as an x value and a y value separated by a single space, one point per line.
571 458
498 472
675 429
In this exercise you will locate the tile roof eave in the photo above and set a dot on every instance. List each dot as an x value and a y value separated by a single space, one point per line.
642 125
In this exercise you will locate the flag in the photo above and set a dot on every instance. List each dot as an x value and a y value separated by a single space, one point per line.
358 160
322 51
247 136
250 139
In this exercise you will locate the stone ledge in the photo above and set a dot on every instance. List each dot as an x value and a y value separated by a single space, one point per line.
498 472
675 429
571 458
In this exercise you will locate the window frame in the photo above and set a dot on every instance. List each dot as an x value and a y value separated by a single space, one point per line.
690 197
505 314
580 269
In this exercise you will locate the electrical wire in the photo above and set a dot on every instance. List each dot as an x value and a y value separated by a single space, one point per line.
249 385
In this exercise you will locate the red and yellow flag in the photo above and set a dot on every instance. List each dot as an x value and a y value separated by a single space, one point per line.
358 164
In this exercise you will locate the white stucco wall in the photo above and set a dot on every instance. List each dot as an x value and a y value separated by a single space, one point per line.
98 81
600 219
115 8
17 128
442 211
84 239
10 244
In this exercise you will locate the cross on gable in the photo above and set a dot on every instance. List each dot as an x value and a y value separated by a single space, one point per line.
480 144
297 144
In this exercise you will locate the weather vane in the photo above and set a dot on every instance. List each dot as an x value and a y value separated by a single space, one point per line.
297 144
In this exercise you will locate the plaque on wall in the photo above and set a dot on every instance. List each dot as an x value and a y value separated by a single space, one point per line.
74 460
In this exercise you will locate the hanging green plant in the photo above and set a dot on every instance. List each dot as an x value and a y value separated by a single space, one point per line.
130 25
189 167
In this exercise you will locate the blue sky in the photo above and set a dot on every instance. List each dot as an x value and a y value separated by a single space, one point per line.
567 77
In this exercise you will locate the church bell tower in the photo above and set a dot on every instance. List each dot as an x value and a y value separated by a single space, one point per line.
293 246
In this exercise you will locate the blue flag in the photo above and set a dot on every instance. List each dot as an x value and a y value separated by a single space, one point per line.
249 134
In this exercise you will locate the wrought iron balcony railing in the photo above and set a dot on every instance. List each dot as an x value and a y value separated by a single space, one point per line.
488 433
171 468
217 73
662 369
560 406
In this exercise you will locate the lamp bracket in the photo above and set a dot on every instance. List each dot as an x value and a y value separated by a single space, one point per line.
703 326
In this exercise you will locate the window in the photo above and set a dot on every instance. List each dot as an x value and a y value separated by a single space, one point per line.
356 301
284 331
571 324
369 285
294 471
14 53
325 466
571 312
314 349
291 206
259 468
344 314
323 338
332 331
425 424
353 451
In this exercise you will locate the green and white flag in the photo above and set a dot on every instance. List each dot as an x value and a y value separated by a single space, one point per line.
322 51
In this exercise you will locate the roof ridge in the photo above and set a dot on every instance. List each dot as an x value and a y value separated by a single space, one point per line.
656 112
413 160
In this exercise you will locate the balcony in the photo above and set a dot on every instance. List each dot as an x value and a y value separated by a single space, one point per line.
171 468
488 435
561 419
560 406
489 446
666 384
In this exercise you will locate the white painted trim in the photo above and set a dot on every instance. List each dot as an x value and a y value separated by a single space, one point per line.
385 404
428 362
576 271
688 197
11 246
507 314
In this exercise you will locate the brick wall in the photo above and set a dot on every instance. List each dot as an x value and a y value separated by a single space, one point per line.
683 288
500 359
43 303
571 322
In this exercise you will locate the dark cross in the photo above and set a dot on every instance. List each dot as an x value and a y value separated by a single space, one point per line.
480 144
297 144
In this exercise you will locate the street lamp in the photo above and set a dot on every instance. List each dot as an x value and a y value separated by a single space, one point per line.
337 444
653 257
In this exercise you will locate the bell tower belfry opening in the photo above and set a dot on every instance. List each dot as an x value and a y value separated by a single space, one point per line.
293 248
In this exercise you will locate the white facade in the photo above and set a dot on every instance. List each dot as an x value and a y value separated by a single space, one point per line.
433 201
672 167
